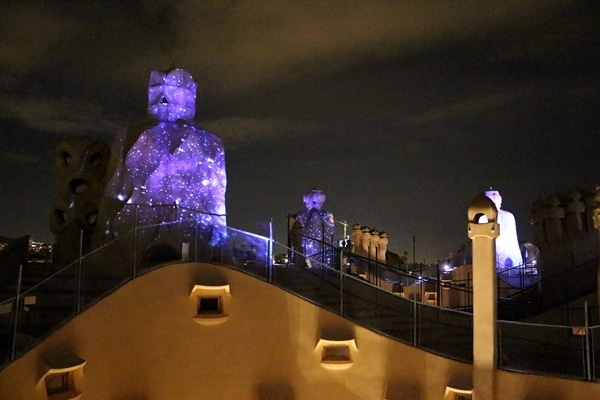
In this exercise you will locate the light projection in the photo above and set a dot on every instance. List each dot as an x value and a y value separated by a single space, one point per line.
508 252
172 96
168 164
317 228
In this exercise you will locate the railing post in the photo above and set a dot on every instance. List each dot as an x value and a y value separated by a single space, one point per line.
469 300
588 355
135 237
322 245
498 345
79 272
498 288
522 276
376 267
439 287
369 277
270 251
342 281
332 250
196 242
13 344
415 320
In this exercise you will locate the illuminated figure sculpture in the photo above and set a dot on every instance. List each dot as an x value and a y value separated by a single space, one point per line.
167 163
508 252
317 227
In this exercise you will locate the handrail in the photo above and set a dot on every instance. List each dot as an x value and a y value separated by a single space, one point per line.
518 280
329 286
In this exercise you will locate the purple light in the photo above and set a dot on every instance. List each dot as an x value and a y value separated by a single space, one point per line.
172 96
318 227
169 162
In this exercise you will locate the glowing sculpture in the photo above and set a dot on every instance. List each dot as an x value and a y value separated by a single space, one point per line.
317 227
508 252
172 96
168 161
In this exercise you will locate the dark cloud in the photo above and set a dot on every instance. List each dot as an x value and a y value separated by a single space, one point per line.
246 44
237 132
63 115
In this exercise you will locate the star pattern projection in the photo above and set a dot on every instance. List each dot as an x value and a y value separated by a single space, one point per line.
172 96
171 163
318 227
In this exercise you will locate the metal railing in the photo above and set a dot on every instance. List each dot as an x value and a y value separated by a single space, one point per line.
33 314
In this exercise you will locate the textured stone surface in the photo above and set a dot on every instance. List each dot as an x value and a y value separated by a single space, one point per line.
80 163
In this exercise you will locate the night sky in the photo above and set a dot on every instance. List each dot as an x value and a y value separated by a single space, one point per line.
401 112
